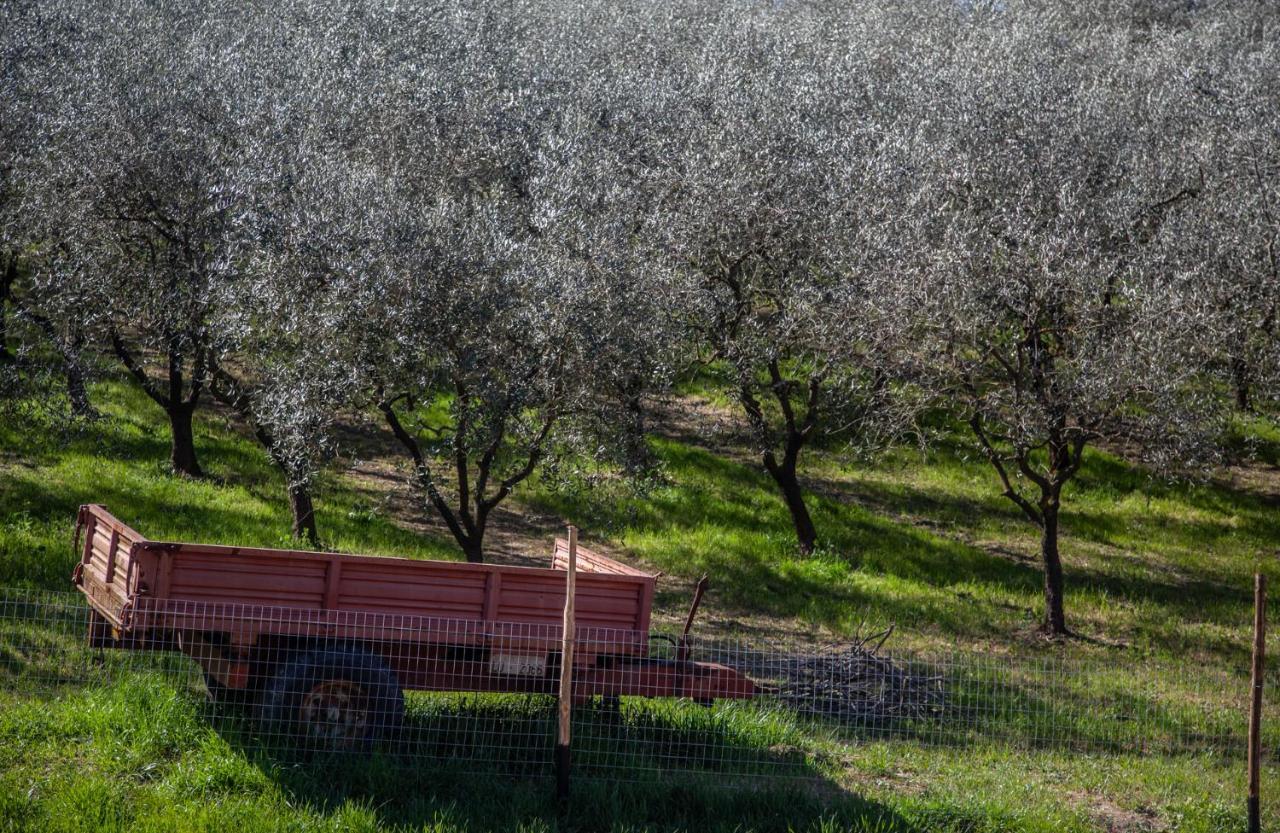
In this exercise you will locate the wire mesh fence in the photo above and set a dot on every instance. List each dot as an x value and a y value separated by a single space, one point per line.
480 696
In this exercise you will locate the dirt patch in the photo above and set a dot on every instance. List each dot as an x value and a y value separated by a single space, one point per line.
1115 819
699 421
1255 478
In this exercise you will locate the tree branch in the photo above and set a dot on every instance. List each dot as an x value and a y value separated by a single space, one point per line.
135 370
1033 514
421 471
535 454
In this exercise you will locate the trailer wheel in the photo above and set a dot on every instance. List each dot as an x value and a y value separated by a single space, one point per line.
336 698
220 695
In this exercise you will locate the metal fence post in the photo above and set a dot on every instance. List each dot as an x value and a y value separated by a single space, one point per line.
1255 703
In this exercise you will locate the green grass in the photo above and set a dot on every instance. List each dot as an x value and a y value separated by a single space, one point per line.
927 542
146 754
122 462
1158 581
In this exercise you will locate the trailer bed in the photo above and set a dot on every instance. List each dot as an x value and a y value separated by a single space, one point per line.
140 586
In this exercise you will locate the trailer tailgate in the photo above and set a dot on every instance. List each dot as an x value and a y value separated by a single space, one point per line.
108 571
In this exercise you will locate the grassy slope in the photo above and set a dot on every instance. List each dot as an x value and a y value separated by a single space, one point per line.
923 542
121 462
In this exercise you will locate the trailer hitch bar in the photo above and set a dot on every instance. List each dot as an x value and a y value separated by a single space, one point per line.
682 647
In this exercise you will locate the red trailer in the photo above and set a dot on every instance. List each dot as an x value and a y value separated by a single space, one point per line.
324 643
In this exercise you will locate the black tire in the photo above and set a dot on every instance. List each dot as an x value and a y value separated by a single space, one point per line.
334 698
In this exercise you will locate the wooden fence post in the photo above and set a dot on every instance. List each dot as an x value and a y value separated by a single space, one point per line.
566 673
1255 703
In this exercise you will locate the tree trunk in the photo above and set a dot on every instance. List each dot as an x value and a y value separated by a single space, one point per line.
183 455
72 349
785 476
7 277
638 458
1055 620
77 391
1240 379
473 547
301 508
304 514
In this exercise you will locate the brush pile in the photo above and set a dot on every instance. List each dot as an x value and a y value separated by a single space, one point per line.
854 683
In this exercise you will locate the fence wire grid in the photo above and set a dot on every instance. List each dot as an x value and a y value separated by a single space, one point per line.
481 696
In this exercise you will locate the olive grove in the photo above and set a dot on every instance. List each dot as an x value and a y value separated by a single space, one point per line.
496 230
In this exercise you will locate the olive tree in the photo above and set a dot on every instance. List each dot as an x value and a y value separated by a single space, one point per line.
46 341
495 343
123 192
443 287
1057 329
1233 241
307 100
161 132
777 179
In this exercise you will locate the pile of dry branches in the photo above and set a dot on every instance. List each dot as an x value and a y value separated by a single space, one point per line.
857 685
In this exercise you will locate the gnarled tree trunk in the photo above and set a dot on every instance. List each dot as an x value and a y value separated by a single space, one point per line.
468 521
227 390
1243 387
78 390
796 432
1055 620
7 277
177 398
182 455
72 351
304 514
784 475
1065 457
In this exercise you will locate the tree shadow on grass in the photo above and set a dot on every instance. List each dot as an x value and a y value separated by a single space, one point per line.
486 762
1063 706
724 518
1183 592
36 552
